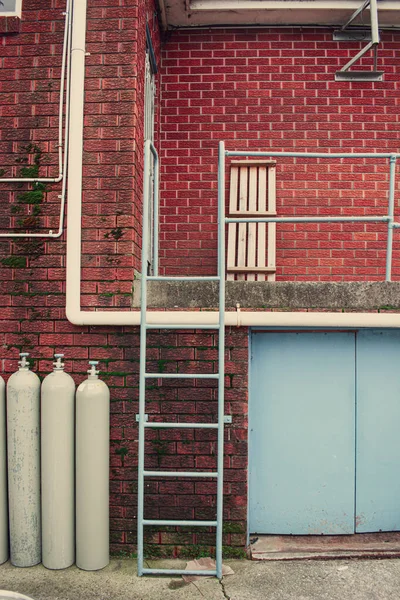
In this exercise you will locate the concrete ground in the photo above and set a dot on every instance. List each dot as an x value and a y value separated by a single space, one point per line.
286 580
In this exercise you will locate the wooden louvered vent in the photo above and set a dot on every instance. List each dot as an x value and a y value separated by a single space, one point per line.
251 246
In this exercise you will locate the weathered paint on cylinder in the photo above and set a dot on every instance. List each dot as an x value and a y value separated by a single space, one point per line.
6 595
58 468
23 445
92 472
3 476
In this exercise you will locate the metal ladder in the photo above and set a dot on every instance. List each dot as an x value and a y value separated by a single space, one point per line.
144 375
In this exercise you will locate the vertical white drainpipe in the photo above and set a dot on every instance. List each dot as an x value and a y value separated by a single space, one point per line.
3 477
75 158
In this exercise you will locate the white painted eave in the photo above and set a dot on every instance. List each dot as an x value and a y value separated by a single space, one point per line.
218 13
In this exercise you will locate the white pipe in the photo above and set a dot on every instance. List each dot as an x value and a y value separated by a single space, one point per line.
60 114
66 68
75 162
74 236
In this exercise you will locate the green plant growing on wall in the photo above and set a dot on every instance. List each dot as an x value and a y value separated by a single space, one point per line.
116 233
160 447
122 451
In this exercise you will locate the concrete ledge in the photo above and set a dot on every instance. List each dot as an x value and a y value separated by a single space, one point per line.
358 296
297 547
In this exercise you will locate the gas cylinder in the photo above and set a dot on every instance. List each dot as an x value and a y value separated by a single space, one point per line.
58 468
23 445
92 472
3 476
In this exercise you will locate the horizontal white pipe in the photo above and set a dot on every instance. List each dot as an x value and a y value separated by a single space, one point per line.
30 235
239 319
132 318
179 474
327 155
350 5
31 179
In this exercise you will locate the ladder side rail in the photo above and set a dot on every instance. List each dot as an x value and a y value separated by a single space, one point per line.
143 344
221 355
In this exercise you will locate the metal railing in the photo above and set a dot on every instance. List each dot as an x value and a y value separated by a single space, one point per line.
142 418
388 218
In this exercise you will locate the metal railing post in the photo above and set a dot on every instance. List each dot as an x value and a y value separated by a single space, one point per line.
156 208
142 379
221 353
389 250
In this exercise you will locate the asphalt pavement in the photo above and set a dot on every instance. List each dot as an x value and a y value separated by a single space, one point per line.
283 580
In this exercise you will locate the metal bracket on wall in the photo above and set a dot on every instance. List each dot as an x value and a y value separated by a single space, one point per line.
351 34
146 418
354 34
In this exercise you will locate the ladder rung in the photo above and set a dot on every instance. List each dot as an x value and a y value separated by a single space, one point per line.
181 375
188 278
180 474
177 572
180 523
155 425
179 326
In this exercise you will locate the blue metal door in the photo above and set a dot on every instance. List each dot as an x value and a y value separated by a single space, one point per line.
302 433
378 431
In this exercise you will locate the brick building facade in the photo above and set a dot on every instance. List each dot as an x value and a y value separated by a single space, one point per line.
258 89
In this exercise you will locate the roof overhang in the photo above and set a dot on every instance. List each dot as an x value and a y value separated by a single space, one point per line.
325 13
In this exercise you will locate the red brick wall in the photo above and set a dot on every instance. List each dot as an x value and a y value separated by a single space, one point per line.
32 274
275 89
206 97
182 352
33 284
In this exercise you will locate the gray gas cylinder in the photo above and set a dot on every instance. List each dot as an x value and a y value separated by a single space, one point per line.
23 445
58 468
92 472
3 476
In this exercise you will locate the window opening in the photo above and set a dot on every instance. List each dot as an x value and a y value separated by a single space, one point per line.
10 8
149 117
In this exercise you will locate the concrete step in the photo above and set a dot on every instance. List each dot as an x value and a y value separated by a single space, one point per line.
301 547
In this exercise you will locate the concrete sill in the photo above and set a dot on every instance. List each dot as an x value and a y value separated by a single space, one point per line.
285 295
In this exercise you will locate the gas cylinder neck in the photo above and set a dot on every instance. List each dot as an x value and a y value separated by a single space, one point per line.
58 365
92 372
23 364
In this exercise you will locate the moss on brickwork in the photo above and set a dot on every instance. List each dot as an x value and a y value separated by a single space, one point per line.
191 551
32 199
